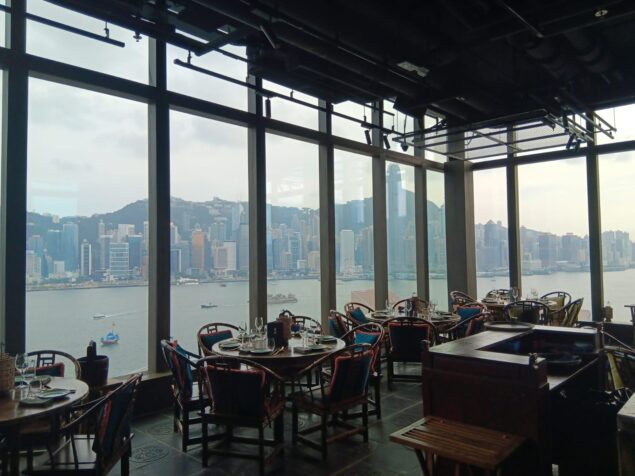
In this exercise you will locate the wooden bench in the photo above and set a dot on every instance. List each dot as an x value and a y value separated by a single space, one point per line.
469 445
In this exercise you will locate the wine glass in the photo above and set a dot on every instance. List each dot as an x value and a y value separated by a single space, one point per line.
242 332
259 325
515 293
28 374
433 307
21 364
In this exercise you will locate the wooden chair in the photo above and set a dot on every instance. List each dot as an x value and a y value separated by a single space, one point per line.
347 388
356 311
465 328
339 324
37 434
505 294
571 312
562 298
187 399
533 312
53 363
241 393
305 322
210 334
405 335
621 362
96 454
459 298
421 304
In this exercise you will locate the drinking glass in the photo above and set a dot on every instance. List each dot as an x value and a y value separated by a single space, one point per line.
303 332
259 325
515 293
387 304
433 307
28 374
21 364
271 343
242 332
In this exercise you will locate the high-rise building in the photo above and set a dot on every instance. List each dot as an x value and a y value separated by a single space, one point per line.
243 247
198 250
119 260
33 267
135 243
347 251
53 244
85 259
123 230
396 218
104 251
101 228
313 261
70 246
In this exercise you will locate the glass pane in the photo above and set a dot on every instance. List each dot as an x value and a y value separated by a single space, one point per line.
622 119
129 62
401 233
209 233
554 229
86 250
437 256
291 112
399 123
199 85
354 240
618 228
490 218
345 127
293 227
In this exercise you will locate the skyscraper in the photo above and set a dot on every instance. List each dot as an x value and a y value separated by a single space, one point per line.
86 259
119 260
198 250
70 246
347 251
135 251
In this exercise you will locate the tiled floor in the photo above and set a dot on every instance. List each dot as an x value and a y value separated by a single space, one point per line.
156 449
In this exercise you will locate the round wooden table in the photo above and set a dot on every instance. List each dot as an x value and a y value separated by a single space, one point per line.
286 363
13 415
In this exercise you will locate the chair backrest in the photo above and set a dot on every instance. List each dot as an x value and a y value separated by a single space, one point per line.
113 418
571 312
405 336
305 322
54 362
235 387
210 334
357 311
421 304
285 313
370 333
459 298
562 298
339 324
469 309
351 368
502 293
180 362
621 367
534 312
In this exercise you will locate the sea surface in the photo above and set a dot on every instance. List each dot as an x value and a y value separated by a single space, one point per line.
63 319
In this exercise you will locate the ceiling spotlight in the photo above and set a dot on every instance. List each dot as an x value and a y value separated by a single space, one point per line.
368 139
137 36
600 12
404 147
386 142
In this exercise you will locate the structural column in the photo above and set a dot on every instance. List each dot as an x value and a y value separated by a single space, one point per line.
158 207
380 240
257 207
15 92
327 216
421 226
513 222
459 222
595 232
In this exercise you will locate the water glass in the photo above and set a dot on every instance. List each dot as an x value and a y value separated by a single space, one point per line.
259 325
271 344
28 374
21 364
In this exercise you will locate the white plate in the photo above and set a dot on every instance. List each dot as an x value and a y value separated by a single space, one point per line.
54 393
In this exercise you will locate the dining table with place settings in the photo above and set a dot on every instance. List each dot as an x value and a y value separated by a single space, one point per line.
287 360
18 408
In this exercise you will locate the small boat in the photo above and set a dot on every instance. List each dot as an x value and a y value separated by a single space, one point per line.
208 306
111 338
223 285
99 316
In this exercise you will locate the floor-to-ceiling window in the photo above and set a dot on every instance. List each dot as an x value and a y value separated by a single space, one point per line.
554 230
617 173
400 231
293 227
491 237
354 237
437 256
87 240
209 229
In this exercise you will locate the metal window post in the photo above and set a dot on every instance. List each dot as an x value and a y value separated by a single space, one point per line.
595 232
380 239
513 226
421 225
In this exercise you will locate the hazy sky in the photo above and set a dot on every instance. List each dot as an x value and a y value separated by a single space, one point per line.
88 151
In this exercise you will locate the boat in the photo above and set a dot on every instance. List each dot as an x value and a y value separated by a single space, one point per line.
99 316
111 338
223 285
281 298
208 306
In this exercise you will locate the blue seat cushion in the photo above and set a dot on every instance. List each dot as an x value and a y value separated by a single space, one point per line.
467 312
213 337
358 315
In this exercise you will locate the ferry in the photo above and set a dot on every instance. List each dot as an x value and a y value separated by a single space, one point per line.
208 306
99 316
111 338
187 282
281 298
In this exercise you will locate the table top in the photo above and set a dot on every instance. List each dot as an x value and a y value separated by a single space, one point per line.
286 356
441 318
12 413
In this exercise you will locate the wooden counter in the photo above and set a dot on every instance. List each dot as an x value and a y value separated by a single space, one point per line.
489 380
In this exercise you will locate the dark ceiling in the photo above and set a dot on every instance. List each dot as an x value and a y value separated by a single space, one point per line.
468 60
